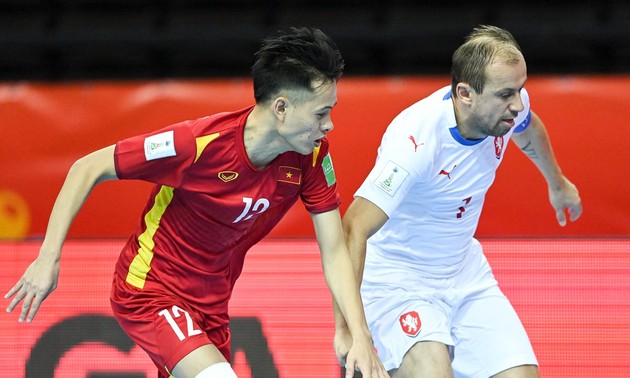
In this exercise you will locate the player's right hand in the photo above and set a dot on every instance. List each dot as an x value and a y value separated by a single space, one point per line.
363 357
565 198
38 281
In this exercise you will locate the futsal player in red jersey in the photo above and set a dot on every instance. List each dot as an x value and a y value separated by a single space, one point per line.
221 184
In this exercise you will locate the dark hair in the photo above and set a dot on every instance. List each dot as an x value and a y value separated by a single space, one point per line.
293 60
482 46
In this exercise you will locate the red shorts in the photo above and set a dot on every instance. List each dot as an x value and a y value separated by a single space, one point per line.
164 326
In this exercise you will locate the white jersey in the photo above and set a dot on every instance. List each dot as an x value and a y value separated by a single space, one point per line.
431 182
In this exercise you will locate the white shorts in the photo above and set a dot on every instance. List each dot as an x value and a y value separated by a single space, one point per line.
467 312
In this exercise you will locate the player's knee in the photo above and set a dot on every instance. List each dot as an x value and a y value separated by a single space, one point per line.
218 370
523 371
427 358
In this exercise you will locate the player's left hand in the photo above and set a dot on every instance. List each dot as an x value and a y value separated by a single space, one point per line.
565 198
362 357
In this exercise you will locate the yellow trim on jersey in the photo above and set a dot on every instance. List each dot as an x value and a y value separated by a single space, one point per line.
169 373
141 264
315 155
202 143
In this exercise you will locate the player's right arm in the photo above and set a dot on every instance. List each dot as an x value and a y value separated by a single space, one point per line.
40 278
362 219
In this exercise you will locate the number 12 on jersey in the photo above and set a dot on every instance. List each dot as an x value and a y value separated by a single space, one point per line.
249 211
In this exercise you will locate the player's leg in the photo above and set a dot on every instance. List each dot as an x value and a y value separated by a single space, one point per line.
204 362
425 359
410 328
489 336
490 339
180 340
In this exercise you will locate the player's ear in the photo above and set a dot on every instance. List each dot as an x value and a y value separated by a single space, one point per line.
280 105
464 93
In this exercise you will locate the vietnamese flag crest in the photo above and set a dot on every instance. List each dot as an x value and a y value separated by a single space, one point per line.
290 175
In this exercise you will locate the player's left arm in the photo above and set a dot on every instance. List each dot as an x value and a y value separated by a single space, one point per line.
563 195
343 285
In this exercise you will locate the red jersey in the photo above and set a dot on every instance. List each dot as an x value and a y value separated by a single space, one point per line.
210 205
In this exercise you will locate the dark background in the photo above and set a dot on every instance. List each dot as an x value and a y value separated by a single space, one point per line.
61 40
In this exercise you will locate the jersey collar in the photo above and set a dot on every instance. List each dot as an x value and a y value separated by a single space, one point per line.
451 121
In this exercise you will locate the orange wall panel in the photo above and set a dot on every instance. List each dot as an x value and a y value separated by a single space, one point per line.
46 127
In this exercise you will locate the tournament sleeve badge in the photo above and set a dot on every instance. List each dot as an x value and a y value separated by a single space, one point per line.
159 146
329 171
391 178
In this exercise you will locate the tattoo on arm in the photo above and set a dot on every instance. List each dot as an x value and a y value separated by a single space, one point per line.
528 149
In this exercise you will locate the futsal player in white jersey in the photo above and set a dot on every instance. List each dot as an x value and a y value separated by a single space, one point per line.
432 303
